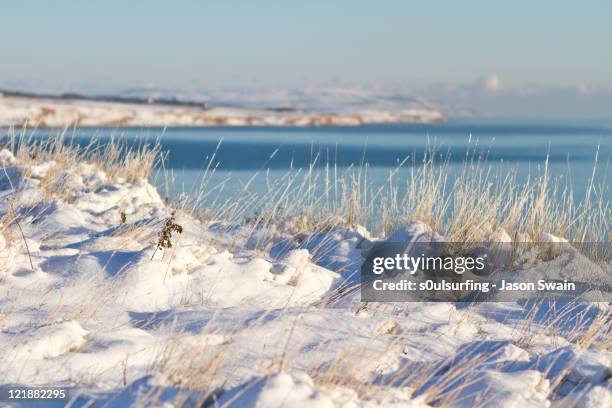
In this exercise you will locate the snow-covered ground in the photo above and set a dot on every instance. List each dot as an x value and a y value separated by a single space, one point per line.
90 302
15 111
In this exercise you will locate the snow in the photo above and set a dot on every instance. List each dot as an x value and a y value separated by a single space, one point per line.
298 390
594 397
15 111
213 319
51 341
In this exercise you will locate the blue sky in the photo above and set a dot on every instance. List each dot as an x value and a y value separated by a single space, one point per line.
457 51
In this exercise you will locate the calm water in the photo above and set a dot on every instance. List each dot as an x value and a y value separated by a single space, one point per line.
270 152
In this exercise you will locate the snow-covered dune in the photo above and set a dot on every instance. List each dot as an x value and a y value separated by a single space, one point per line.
106 290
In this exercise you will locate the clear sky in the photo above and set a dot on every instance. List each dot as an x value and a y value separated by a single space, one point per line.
433 48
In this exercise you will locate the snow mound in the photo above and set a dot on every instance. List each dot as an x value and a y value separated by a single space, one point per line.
505 390
6 158
595 397
52 341
412 231
298 390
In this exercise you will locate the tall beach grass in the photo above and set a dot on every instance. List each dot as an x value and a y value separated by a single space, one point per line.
466 204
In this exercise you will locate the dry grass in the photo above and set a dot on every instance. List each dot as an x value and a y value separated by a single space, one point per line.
113 156
467 205
464 205
470 204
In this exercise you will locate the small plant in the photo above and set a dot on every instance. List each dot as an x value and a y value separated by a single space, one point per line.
165 235
15 216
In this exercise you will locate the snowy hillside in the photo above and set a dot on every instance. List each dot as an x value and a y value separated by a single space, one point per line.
15 111
106 290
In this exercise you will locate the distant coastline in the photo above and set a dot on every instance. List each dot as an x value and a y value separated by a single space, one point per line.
72 109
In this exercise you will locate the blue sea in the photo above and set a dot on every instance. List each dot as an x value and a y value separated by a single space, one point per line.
269 152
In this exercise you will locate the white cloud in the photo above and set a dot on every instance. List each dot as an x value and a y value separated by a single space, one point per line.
492 83
487 96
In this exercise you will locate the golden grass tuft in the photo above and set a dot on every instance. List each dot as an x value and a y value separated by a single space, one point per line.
113 156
